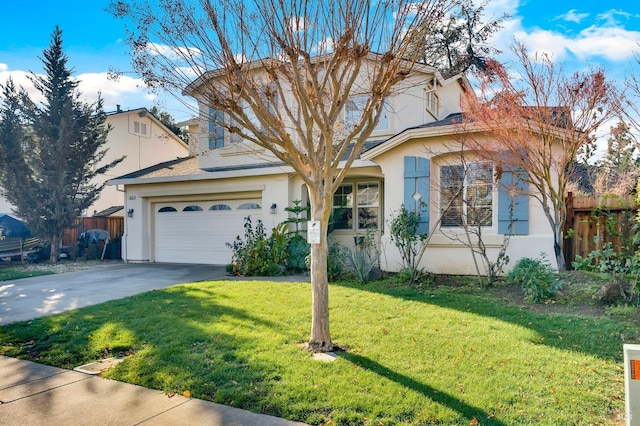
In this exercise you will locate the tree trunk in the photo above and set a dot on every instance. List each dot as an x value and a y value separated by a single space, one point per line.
55 244
320 340
557 248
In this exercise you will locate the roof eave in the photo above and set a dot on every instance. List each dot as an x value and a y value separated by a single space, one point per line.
414 133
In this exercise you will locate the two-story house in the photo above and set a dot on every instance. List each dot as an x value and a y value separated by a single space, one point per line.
186 210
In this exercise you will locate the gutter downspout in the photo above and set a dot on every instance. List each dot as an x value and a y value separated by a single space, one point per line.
123 244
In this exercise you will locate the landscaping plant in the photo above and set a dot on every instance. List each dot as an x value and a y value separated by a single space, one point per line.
538 279
297 246
411 243
620 261
257 254
364 256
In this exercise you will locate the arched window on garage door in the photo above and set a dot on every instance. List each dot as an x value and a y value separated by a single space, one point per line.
167 209
219 207
249 206
192 209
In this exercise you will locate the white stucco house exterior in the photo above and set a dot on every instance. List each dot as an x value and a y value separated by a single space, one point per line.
185 210
143 140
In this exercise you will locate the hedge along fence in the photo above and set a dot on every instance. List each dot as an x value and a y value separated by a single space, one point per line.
609 218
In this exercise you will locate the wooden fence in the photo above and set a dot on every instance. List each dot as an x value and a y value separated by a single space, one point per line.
115 226
610 219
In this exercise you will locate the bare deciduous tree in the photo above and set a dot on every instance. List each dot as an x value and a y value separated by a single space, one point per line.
282 72
539 119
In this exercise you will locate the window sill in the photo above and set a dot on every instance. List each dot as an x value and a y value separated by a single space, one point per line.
457 238
239 149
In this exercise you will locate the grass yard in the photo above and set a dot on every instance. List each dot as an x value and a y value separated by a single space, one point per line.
449 356
10 273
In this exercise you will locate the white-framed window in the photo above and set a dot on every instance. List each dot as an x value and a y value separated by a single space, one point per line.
466 195
353 113
216 128
432 102
363 198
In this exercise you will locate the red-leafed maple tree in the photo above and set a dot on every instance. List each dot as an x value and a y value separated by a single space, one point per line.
538 119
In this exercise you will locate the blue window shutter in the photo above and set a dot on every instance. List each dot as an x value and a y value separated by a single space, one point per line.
513 210
216 131
416 181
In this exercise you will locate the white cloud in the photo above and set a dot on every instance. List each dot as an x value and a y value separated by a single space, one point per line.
573 16
298 23
113 92
610 17
605 38
126 91
20 79
173 53
613 43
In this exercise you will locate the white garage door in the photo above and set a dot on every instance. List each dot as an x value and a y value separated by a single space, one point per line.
196 232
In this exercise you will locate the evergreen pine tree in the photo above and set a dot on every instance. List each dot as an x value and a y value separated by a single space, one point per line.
50 152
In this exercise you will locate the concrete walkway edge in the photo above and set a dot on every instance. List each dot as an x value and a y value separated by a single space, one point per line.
36 394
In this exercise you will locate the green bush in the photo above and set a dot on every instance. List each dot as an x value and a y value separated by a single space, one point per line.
256 254
335 260
336 254
539 281
404 233
297 249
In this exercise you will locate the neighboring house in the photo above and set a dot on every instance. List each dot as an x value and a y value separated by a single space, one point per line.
186 210
143 140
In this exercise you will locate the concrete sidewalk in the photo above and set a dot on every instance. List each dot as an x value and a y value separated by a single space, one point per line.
36 394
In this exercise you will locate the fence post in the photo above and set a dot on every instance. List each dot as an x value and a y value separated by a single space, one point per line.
568 224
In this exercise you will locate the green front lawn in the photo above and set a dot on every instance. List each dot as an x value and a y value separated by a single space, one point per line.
441 356
7 274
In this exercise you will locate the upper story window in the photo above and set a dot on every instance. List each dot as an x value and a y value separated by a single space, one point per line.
353 113
269 96
432 103
466 195
216 128
431 100
361 198
219 122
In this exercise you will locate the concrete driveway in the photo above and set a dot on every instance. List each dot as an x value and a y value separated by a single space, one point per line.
34 297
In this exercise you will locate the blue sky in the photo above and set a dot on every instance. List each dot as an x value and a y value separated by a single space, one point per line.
579 34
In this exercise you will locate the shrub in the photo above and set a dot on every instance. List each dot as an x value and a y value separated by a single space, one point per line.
404 233
297 251
258 254
363 257
335 260
539 281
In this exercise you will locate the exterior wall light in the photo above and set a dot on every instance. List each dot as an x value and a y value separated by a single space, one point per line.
273 208
130 213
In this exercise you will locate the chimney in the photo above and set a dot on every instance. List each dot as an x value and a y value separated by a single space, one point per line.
118 108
